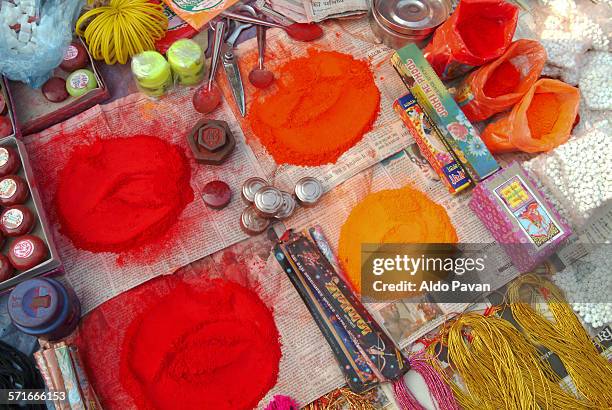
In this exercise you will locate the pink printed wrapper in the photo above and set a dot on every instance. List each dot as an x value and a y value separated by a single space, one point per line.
519 217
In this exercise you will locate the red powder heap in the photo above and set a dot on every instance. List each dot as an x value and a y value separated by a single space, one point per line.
503 80
122 193
192 349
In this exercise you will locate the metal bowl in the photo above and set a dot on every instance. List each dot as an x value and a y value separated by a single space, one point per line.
413 17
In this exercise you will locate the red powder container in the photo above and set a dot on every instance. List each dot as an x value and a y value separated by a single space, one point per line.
16 221
6 269
13 190
26 252
9 161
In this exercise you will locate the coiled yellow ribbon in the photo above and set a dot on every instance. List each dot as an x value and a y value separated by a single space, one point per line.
124 28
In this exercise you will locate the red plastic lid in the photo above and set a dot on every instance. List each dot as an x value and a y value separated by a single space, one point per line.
217 194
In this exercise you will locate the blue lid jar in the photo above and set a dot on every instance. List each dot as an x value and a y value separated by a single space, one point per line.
44 308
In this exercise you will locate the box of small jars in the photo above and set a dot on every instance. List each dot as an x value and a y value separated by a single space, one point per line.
26 242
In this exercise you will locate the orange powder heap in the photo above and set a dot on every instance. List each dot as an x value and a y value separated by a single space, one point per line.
503 80
542 114
391 216
323 105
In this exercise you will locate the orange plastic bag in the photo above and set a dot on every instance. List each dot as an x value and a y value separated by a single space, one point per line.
541 121
476 33
497 86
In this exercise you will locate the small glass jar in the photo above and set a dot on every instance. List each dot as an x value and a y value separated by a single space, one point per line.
152 73
186 59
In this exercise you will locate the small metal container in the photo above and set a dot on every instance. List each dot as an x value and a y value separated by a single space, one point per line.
288 207
250 188
251 223
268 201
401 22
308 191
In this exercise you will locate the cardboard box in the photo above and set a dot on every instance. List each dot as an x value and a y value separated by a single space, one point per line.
52 265
519 217
5 92
454 127
431 144
35 113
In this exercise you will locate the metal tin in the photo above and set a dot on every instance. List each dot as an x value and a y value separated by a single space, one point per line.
268 201
288 208
250 188
308 191
44 308
251 223
400 22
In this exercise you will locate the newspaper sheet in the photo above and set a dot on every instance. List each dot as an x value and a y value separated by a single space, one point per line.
97 277
388 136
406 322
313 11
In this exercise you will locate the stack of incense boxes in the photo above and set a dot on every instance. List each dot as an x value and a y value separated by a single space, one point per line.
364 352
456 131
62 370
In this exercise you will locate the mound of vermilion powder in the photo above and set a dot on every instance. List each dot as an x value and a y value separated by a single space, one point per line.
323 105
503 80
201 349
118 194
483 27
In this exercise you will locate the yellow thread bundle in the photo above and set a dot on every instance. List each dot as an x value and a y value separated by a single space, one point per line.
499 368
122 29
565 336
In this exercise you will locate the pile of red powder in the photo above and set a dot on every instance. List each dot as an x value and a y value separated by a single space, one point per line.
119 194
201 349
503 80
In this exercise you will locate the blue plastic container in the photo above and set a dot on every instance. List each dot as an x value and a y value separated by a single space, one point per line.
44 308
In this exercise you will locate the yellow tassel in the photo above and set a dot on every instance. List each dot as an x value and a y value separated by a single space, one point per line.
499 368
558 329
122 29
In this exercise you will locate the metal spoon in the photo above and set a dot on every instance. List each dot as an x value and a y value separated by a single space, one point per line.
260 77
208 97
297 31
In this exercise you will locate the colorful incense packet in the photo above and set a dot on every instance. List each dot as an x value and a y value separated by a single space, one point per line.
358 374
519 217
431 144
338 313
454 127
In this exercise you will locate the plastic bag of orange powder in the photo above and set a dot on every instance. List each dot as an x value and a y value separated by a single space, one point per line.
476 33
541 121
497 86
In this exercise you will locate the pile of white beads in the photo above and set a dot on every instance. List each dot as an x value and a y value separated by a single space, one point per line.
587 285
567 30
578 175
596 81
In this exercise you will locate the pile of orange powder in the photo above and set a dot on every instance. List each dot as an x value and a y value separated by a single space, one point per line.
391 216
323 105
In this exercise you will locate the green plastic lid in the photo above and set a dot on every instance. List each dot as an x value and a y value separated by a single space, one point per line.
151 69
185 54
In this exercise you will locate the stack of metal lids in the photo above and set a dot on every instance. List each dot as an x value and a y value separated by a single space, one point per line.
267 203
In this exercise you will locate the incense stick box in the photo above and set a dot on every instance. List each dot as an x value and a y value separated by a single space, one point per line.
519 217
454 127
431 144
